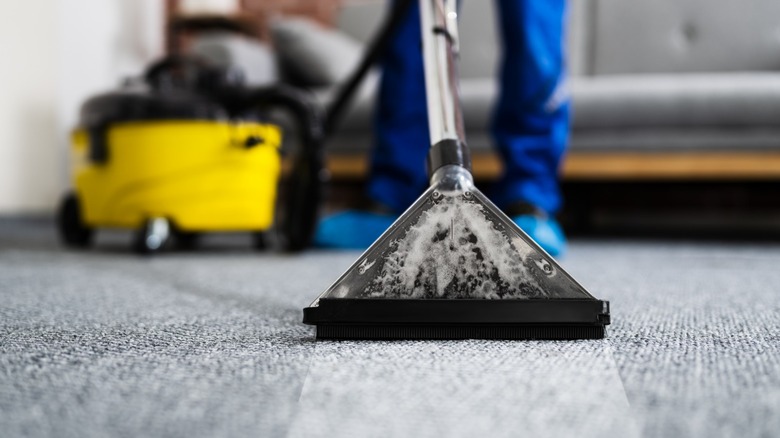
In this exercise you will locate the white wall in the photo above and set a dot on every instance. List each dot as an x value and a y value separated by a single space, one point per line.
56 53
28 137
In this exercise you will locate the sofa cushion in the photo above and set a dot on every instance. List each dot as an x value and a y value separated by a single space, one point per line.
645 112
676 140
658 101
635 101
666 36
254 58
694 100
633 140
313 54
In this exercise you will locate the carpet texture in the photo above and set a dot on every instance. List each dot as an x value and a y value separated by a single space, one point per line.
209 343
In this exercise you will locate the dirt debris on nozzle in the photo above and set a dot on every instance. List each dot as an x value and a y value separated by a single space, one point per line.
455 251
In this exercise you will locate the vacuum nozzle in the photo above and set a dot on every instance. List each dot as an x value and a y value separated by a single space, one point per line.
454 266
454 243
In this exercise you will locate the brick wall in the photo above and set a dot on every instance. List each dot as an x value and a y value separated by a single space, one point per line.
323 11
256 14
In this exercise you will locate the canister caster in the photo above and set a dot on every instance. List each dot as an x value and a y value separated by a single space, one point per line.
152 236
74 233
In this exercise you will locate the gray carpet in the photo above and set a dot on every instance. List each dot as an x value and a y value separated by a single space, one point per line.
103 343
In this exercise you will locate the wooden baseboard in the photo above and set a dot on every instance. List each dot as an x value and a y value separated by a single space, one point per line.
625 166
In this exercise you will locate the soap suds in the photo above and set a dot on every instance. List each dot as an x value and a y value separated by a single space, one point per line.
454 251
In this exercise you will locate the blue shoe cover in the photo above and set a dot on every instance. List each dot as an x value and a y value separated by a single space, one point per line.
351 229
354 229
544 231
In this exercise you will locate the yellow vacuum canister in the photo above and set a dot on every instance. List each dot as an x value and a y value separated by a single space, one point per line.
169 162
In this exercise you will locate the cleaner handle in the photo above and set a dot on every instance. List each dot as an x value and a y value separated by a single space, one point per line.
445 118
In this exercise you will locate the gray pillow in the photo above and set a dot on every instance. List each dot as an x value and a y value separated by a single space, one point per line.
312 53
254 58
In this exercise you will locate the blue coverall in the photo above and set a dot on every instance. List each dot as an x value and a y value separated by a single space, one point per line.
530 124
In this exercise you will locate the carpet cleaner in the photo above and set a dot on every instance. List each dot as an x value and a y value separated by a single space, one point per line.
190 149
454 266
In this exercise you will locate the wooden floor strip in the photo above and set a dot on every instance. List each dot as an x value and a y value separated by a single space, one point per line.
615 166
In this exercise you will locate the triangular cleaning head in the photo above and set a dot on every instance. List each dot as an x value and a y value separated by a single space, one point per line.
452 266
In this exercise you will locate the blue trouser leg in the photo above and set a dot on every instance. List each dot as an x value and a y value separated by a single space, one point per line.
398 174
531 122
530 125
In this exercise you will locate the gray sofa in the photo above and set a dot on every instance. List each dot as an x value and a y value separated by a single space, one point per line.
667 76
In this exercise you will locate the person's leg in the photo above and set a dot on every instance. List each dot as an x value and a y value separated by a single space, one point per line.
398 173
531 122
